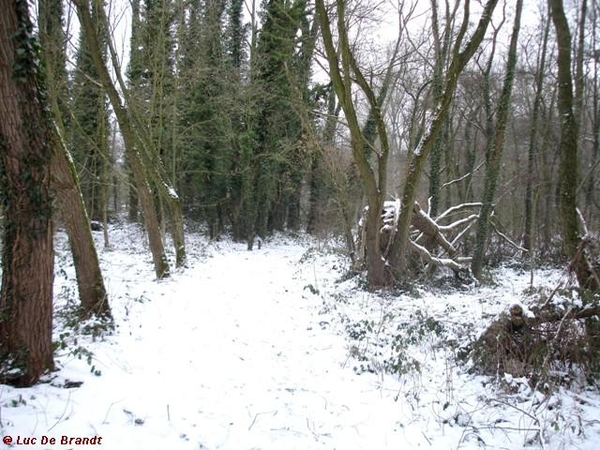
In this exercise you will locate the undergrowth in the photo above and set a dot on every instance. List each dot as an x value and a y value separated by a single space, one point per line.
77 333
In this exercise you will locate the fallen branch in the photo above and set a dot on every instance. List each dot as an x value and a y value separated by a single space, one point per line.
506 238
524 344
459 222
428 257
518 320
424 223
428 239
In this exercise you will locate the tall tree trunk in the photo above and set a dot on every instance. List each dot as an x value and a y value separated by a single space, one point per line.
440 49
344 71
567 190
92 292
494 153
300 83
578 105
153 140
460 58
591 191
65 185
470 148
139 171
169 196
27 253
547 179
88 114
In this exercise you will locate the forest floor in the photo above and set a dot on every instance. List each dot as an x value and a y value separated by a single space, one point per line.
275 349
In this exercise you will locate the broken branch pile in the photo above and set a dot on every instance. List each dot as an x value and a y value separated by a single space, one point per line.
434 241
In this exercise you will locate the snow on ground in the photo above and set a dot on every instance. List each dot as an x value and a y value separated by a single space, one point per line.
272 350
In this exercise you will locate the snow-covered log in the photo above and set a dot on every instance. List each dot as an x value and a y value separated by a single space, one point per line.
431 230
428 257
434 243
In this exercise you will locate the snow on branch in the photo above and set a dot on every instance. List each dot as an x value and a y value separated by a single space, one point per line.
458 208
428 257
429 240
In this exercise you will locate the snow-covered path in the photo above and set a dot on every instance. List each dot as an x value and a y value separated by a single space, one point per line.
230 354
237 352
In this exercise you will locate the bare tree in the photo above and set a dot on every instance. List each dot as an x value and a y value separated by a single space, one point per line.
528 235
495 150
92 292
132 143
345 72
441 44
460 56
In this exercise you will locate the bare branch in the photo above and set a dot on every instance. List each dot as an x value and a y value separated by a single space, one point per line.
506 238
428 257
457 208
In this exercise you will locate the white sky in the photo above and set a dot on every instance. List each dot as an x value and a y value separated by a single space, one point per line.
378 35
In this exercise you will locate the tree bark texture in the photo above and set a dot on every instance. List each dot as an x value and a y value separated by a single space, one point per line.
28 253
90 283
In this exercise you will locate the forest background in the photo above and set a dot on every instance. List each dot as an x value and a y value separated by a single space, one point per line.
235 100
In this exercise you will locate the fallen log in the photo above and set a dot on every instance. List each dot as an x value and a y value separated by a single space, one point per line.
431 241
431 232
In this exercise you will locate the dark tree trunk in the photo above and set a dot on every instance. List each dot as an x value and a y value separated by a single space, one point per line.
132 200
27 253
567 189
496 148
437 87
92 292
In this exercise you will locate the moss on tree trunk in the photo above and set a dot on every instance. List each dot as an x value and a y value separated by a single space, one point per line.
27 253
